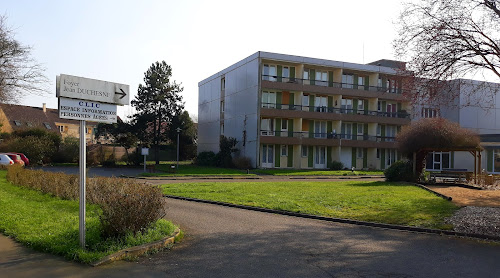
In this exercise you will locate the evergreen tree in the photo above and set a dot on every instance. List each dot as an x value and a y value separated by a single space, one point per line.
157 102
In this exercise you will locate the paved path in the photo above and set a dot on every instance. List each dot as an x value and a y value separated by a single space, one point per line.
230 242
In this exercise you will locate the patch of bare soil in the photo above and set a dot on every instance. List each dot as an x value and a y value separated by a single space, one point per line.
469 197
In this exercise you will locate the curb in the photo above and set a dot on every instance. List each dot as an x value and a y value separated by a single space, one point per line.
332 177
138 250
195 177
432 191
342 220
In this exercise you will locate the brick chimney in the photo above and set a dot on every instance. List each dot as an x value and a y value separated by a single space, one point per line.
44 107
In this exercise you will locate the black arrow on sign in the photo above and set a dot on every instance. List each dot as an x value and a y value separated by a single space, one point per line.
123 94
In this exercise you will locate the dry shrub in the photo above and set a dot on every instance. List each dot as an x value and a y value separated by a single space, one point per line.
127 206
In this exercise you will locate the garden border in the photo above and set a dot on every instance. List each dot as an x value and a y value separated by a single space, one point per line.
342 220
138 250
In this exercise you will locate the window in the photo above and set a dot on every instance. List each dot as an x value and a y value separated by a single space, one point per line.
430 113
222 129
304 151
346 131
284 124
378 153
305 102
379 128
306 74
359 152
47 125
319 129
320 103
361 80
284 150
496 160
223 83
437 161
61 128
269 72
286 72
17 123
379 106
361 129
390 132
347 81
346 106
29 124
266 127
222 106
268 99
321 76
361 106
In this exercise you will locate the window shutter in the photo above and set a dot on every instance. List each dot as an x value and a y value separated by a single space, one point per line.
278 100
312 76
277 156
310 157
278 128
367 83
399 106
292 72
290 156
290 128
366 107
384 106
489 160
354 106
280 73
311 103
382 133
365 132
291 102
382 159
355 81
330 102
330 79
354 131
329 127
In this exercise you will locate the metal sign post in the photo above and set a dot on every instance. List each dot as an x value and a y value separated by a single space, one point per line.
83 162
92 100
145 152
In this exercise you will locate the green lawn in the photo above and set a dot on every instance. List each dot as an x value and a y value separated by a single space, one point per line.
49 224
381 202
195 170
305 172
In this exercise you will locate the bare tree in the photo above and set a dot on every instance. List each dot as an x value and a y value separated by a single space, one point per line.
449 39
19 72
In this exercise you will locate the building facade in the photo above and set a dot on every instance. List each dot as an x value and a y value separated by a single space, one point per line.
297 112
473 105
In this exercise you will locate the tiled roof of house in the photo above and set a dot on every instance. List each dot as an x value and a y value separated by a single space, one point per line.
21 117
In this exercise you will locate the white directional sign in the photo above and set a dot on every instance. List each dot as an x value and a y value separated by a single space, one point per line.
91 89
77 109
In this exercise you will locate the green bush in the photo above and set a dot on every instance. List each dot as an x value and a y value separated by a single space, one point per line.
242 162
205 159
68 151
336 165
399 171
127 206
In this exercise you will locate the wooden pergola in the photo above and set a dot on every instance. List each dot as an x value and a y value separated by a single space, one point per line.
474 151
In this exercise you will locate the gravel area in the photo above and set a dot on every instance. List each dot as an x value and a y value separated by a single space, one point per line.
477 220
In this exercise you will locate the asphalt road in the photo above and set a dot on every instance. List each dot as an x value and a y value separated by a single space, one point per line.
231 242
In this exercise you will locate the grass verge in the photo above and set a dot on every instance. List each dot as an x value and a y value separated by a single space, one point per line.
50 224
381 202
306 172
195 170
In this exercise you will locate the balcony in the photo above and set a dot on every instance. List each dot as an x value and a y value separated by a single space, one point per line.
330 113
326 139
330 87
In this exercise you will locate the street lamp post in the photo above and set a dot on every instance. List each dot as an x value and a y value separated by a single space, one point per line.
178 132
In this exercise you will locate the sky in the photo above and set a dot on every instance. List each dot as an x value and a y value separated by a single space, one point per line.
117 41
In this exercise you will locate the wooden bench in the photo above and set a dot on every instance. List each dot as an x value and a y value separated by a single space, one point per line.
452 176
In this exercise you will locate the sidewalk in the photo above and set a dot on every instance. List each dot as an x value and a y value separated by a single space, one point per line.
19 261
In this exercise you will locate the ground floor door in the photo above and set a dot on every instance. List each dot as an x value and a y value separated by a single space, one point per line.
320 157
390 157
267 156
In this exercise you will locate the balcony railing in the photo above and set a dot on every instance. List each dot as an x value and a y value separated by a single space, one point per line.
324 83
325 135
324 109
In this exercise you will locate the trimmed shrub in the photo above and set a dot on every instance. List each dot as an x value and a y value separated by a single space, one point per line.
127 206
336 165
205 159
399 171
242 162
